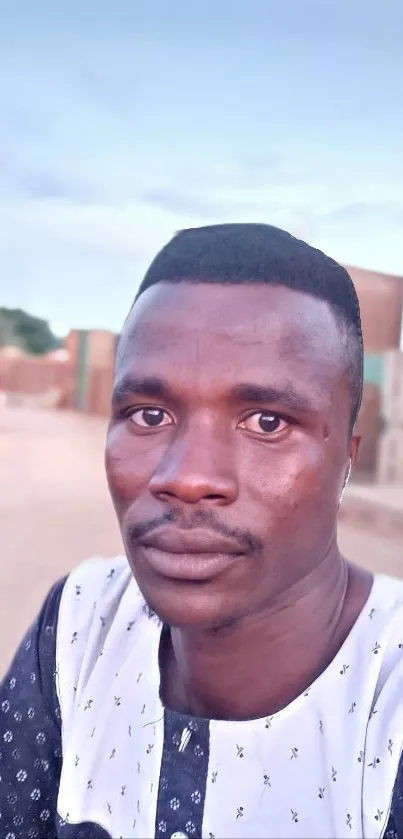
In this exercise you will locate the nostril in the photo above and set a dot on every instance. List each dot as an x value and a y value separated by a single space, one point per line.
213 497
193 489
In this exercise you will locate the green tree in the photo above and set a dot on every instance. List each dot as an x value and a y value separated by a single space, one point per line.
31 334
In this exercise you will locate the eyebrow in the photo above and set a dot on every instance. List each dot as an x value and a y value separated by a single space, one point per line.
287 396
156 388
130 386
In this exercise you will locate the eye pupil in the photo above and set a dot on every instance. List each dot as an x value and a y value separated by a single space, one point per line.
269 422
153 416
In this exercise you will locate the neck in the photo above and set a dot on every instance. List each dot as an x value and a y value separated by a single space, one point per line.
258 665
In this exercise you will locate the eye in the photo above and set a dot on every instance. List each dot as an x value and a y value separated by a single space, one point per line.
150 418
264 423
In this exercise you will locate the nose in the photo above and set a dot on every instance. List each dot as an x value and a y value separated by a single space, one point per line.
198 468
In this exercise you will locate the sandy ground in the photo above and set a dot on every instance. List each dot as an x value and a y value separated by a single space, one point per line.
55 511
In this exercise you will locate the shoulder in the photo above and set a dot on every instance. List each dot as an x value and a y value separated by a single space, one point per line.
101 607
380 676
97 581
387 594
92 604
385 627
33 664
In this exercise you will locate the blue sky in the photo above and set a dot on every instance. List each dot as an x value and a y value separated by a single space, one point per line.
122 122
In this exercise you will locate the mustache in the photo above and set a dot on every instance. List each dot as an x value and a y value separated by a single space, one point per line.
248 542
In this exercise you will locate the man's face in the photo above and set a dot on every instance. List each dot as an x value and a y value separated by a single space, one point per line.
227 446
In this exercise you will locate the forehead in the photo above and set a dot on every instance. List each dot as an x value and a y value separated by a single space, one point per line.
219 332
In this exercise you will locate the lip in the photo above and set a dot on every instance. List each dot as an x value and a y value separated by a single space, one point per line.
195 567
197 541
193 555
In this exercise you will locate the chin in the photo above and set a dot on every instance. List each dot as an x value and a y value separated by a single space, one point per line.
185 605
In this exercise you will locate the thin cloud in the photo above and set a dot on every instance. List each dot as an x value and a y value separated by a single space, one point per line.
121 125
360 218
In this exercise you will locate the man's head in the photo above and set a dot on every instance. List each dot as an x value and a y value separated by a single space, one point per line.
238 383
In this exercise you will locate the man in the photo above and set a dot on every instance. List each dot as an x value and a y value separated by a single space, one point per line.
234 675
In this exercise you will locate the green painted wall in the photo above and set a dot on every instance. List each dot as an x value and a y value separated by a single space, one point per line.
374 369
82 372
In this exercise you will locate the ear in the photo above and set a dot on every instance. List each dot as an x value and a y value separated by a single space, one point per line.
354 448
353 452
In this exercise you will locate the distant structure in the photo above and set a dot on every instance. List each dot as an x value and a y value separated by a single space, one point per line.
381 302
381 416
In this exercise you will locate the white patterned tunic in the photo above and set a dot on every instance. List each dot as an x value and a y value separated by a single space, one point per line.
87 751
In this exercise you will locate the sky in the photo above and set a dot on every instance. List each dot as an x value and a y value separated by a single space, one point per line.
122 122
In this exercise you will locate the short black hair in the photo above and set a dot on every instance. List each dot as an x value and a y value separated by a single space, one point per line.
260 253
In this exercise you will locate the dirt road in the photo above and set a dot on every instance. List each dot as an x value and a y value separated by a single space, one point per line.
55 511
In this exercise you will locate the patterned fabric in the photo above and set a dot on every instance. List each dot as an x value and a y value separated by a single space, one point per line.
183 776
87 750
30 743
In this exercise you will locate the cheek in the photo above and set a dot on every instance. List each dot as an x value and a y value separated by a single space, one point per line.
296 480
294 508
314 502
129 463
